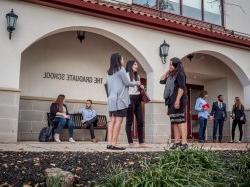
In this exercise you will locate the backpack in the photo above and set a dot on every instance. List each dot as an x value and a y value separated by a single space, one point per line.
45 133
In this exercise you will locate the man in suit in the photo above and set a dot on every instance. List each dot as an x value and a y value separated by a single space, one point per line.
219 115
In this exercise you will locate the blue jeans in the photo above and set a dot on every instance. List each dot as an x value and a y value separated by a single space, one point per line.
61 122
218 123
202 128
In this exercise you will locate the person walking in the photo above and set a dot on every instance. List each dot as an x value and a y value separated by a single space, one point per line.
175 95
239 118
201 106
118 98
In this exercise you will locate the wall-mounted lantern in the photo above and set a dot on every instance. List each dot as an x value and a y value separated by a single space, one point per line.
164 47
11 22
81 35
190 57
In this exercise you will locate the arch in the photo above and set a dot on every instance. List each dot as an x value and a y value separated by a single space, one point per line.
114 37
229 62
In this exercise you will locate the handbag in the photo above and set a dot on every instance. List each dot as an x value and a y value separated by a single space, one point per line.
243 119
144 96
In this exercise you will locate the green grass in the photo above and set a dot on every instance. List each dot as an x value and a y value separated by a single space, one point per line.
191 168
53 182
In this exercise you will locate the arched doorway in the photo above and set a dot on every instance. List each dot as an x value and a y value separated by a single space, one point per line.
59 63
214 72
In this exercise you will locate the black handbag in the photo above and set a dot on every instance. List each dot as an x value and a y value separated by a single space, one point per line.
144 96
243 119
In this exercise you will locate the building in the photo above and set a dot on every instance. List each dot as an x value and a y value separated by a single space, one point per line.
44 57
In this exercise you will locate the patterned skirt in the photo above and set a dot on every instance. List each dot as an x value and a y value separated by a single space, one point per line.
178 116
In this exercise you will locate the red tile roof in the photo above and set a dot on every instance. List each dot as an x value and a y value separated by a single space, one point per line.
151 18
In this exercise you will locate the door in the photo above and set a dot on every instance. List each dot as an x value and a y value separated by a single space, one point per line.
193 92
192 114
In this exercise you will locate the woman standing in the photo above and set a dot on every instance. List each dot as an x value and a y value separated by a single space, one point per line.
135 105
202 107
59 110
118 98
175 95
239 118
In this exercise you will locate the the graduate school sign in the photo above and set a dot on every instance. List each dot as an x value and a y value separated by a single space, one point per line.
72 77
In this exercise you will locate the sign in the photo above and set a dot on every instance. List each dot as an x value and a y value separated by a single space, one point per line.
71 77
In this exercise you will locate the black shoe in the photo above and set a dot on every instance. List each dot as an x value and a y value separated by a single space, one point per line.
109 146
201 141
175 145
184 147
115 148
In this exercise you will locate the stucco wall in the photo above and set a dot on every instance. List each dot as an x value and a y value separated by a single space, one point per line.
32 28
63 53
36 22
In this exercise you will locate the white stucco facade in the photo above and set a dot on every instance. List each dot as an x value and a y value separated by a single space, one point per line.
41 43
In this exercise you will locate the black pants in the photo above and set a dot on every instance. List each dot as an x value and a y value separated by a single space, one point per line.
235 123
134 109
91 124
218 123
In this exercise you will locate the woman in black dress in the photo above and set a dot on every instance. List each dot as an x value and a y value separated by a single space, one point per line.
175 95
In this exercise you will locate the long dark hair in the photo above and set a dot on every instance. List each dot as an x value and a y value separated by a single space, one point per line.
59 102
115 63
176 62
129 68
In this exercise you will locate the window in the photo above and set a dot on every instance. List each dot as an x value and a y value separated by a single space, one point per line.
172 6
212 11
146 3
192 8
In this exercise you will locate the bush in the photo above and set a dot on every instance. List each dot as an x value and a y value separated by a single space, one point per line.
194 167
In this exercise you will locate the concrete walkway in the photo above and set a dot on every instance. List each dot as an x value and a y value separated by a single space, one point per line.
101 147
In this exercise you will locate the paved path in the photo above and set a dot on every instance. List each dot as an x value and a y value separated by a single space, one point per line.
101 147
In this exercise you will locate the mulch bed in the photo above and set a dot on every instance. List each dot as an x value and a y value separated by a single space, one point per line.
18 168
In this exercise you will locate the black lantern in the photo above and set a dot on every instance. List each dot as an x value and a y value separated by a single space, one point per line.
190 57
11 22
81 35
164 47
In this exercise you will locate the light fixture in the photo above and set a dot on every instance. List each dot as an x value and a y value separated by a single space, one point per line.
190 57
11 22
81 35
164 47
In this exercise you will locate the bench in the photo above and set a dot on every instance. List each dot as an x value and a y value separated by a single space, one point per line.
77 119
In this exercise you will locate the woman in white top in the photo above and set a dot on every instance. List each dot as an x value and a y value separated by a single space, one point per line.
134 108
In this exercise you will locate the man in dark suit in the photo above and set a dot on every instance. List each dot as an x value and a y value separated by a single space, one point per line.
219 115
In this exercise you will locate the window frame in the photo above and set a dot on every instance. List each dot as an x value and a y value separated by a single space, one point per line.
202 11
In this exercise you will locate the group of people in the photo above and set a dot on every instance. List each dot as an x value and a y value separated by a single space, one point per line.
123 88
218 114
124 100
61 119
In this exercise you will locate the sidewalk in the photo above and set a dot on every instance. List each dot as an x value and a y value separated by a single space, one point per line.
85 146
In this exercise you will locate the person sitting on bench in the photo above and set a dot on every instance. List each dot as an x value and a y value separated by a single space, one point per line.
59 110
89 118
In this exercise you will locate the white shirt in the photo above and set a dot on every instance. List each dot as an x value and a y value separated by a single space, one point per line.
133 90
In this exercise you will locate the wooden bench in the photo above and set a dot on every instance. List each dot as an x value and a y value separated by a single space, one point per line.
77 119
